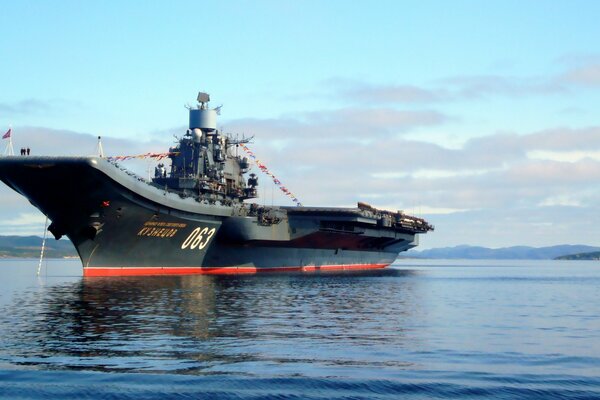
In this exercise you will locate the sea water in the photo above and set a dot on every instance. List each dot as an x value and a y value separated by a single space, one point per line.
420 329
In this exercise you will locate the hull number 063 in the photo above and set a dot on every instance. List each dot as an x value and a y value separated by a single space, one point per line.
199 238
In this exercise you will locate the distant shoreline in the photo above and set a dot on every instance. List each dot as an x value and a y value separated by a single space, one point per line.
21 247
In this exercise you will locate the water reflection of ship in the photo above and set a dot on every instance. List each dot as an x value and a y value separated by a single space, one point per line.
202 307
197 322
120 324
178 305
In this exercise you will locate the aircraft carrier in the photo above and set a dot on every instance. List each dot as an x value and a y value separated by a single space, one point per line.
196 216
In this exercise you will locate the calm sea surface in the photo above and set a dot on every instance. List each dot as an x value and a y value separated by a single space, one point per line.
443 329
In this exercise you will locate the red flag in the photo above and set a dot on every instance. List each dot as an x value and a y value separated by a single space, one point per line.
7 134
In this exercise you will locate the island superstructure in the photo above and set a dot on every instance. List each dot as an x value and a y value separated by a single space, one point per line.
196 216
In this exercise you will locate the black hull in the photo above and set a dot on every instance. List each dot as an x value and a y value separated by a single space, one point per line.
121 225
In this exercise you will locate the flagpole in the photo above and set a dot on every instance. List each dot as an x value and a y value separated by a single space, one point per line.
9 151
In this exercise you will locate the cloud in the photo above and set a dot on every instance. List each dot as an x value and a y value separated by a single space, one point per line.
580 72
560 200
362 92
35 106
26 219
169 133
17 215
563 139
587 75
500 227
348 124
24 107
544 173
457 88
501 148
568 156
477 87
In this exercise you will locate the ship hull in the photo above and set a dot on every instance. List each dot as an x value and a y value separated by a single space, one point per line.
121 225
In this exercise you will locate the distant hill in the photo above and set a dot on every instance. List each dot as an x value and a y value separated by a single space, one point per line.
505 253
30 246
595 255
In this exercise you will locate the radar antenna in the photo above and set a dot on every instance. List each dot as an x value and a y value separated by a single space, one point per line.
203 99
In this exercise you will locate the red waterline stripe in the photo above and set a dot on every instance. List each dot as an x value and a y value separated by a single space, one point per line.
145 271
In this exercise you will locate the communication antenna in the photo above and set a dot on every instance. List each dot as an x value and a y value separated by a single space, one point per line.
99 148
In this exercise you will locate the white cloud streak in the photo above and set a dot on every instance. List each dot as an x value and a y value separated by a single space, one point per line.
585 73
35 107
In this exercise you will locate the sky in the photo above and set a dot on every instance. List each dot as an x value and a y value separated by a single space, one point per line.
481 117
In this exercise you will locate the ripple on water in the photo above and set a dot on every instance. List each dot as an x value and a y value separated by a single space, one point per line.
425 332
